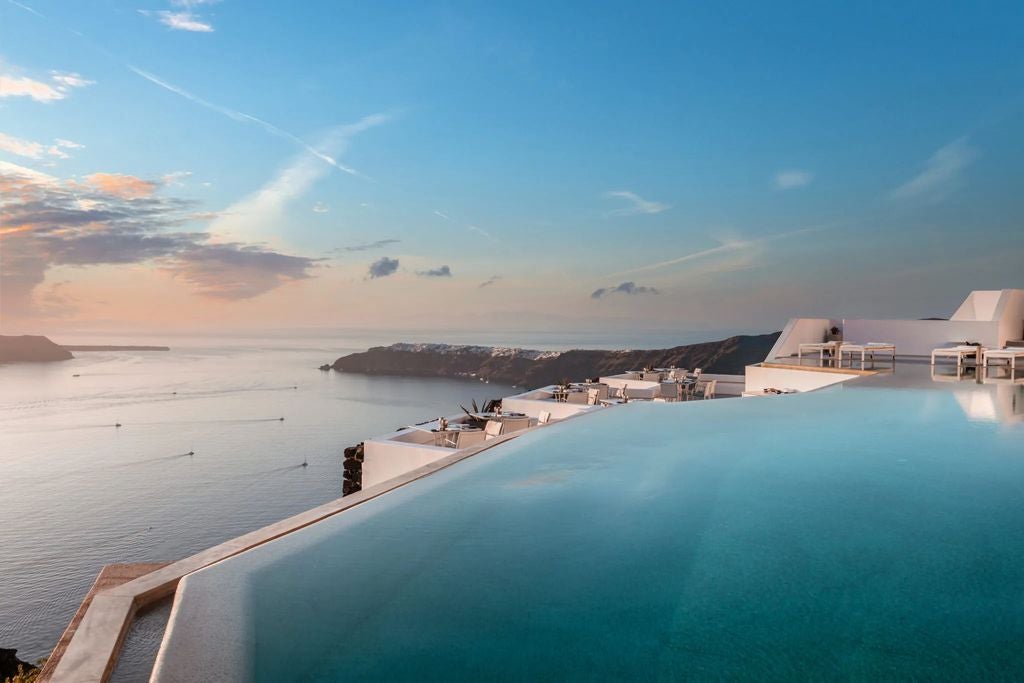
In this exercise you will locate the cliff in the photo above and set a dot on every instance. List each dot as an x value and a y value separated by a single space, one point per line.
30 348
528 368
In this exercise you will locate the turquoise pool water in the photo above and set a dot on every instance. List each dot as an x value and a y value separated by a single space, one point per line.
855 533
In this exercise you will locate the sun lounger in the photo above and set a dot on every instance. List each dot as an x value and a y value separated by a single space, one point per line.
820 347
1010 355
958 352
869 349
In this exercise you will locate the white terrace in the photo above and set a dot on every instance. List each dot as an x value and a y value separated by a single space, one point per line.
988 322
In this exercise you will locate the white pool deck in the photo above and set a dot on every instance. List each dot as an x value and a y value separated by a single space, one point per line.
988 317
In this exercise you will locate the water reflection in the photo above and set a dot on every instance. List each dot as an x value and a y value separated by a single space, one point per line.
992 394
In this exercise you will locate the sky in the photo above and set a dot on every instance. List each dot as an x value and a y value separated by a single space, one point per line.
172 166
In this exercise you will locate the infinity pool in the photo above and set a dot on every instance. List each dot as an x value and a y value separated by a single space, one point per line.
855 532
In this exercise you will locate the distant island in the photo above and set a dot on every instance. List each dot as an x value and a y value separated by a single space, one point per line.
525 367
31 349
92 347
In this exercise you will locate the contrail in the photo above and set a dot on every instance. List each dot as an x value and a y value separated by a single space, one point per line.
246 118
27 9
728 246
242 117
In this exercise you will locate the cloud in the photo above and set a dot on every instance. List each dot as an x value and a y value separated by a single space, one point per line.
638 205
365 123
489 281
183 21
382 267
36 150
238 271
629 288
479 231
442 214
184 18
117 219
320 207
367 246
123 186
443 271
60 85
940 173
259 215
792 179
175 178
67 80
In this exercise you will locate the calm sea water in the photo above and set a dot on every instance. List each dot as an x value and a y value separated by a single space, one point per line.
79 493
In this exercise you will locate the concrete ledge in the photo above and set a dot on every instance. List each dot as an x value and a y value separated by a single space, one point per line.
111 576
811 368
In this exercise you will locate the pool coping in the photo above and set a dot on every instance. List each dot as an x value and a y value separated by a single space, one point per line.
93 650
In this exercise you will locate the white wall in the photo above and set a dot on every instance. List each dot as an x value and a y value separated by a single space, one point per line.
385 458
1011 315
533 406
728 385
919 337
800 331
979 305
759 378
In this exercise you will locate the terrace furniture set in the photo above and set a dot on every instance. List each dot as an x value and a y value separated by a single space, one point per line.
462 435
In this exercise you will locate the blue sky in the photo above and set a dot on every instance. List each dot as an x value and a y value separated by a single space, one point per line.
739 163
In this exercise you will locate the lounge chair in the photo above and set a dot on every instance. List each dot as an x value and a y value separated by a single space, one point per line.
820 347
593 396
869 349
543 417
958 352
1010 355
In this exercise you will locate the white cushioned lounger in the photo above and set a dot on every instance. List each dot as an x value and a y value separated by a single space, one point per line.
1009 355
958 352
869 349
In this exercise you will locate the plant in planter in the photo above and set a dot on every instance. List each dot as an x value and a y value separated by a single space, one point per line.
835 334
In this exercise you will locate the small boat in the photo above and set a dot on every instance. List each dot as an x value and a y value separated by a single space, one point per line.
117 424
76 375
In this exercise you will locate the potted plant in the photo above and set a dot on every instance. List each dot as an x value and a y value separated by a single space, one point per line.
835 334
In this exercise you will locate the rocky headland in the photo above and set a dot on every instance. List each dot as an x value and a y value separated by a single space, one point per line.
524 367
31 349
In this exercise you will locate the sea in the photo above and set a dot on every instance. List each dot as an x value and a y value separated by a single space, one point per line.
216 437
